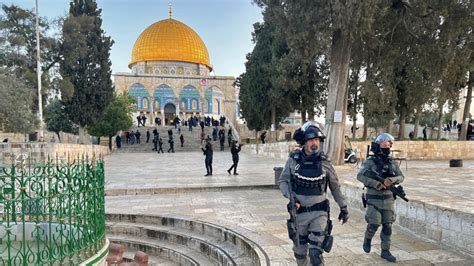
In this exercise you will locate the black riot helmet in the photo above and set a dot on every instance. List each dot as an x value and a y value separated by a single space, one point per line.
384 137
375 146
309 130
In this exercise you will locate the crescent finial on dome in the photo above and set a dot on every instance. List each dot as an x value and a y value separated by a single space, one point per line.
170 9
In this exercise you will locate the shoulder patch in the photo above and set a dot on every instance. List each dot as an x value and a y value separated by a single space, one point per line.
295 154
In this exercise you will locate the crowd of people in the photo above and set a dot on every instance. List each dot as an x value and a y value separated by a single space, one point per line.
221 132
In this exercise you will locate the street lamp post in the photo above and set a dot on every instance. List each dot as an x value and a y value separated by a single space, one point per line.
38 73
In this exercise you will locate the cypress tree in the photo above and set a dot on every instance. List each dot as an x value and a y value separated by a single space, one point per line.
86 63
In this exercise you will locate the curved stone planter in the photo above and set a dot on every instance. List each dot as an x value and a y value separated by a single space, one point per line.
212 240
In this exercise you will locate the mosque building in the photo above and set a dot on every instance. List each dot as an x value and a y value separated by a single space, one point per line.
171 75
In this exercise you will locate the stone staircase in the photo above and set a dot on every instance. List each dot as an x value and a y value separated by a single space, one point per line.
182 241
192 139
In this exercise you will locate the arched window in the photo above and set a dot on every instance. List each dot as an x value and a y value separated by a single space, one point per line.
141 95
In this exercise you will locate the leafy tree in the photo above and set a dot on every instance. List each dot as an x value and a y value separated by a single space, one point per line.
117 116
57 120
312 26
16 100
262 100
18 47
86 64
302 73
423 58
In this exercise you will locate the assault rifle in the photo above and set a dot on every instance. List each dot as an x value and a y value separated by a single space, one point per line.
291 223
396 190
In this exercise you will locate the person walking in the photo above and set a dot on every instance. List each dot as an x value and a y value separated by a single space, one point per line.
118 141
263 136
181 139
160 146
138 135
207 151
147 135
156 137
201 123
139 120
222 139
234 150
171 142
379 199
127 137
304 180
133 137
230 137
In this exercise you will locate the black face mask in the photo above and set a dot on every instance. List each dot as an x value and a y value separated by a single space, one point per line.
385 151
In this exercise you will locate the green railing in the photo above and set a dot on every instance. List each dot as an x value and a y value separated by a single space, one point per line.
51 213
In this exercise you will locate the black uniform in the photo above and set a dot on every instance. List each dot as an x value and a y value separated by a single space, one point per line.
156 138
171 142
263 136
207 151
138 135
160 144
118 140
235 157
222 138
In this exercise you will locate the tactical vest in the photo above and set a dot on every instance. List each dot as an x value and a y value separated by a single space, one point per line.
309 178
386 168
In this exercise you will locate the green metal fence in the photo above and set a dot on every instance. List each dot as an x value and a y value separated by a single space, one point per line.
51 213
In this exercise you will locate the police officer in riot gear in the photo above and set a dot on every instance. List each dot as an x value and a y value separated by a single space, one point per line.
304 180
379 199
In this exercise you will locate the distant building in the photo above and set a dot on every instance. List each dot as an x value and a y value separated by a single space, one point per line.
170 75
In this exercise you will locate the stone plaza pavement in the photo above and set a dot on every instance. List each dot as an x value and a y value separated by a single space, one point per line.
173 184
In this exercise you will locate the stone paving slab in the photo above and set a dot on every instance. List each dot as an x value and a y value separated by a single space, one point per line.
260 213
247 212
432 182
185 170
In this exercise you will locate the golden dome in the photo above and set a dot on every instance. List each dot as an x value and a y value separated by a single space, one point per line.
170 40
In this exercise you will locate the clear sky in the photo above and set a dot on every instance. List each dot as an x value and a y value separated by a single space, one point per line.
225 26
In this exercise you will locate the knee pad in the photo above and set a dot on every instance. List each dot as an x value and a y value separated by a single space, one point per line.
387 229
303 240
315 256
372 228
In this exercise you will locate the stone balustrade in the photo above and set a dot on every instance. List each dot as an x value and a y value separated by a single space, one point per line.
414 150
39 151
444 226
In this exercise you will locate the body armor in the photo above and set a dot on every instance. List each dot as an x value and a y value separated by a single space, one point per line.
310 179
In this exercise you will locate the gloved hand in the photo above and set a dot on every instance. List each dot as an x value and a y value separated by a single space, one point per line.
379 186
343 215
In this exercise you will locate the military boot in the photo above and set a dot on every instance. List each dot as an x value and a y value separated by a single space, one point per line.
388 256
367 244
